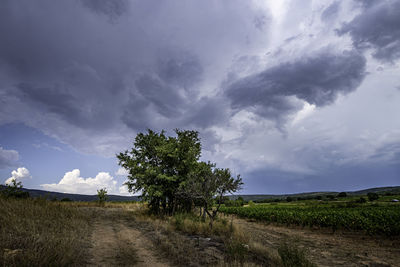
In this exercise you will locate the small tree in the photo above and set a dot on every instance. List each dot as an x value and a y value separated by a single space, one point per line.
102 195
342 194
14 189
208 184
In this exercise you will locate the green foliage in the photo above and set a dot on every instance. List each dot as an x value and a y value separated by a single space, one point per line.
330 197
207 183
233 203
14 190
361 200
102 195
372 196
158 165
289 199
342 194
371 219
293 256
168 173
251 204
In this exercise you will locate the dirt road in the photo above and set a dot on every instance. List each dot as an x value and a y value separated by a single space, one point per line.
116 242
326 248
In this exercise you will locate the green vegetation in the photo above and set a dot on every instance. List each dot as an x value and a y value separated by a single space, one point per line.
293 256
382 218
168 173
102 195
37 232
14 190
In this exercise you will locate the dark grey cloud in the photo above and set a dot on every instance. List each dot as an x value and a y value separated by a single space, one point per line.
8 158
164 98
377 27
111 8
108 65
317 79
208 112
180 69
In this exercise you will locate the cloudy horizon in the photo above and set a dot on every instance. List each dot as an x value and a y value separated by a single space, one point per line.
296 96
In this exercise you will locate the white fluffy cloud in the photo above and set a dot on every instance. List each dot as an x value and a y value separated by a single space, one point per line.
72 182
122 172
19 175
8 158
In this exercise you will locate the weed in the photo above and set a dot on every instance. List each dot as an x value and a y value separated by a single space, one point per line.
293 256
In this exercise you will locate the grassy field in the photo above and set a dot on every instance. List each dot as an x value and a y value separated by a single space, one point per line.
37 232
377 217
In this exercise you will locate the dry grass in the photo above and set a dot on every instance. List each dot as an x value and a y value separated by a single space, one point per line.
185 238
42 233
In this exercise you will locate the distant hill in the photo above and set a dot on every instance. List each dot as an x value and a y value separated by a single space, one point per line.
79 197
74 197
390 189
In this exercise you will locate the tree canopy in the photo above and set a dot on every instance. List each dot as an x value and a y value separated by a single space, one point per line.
168 173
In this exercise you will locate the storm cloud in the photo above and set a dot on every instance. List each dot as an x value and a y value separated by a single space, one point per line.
274 87
377 27
316 79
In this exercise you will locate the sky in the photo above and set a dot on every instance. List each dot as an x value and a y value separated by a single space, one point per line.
296 96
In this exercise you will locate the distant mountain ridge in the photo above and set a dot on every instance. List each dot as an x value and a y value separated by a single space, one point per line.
80 197
386 189
74 197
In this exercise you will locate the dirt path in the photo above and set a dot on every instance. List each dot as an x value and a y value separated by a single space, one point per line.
327 248
115 242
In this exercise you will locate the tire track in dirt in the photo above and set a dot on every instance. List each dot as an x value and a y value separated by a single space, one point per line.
117 243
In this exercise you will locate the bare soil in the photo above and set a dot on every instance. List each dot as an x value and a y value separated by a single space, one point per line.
326 248
116 242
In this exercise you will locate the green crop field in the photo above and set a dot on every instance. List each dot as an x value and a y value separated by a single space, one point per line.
375 218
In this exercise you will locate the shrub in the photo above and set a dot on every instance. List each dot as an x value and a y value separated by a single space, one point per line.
14 190
372 196
102 195
330 197
293 256
342 194
361 200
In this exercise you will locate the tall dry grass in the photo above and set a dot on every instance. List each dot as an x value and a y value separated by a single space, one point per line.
37 232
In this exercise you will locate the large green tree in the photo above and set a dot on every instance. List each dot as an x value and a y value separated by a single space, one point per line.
158 165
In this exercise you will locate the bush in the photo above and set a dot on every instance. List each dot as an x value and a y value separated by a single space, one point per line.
361 200
372 196
289 199
102 195
330 197
342 194
14 190
233 203
292 256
